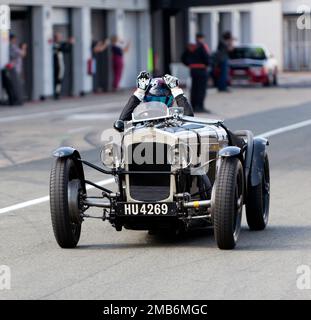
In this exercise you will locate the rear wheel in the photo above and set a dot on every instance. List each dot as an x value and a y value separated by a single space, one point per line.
258 201
227 203
65 199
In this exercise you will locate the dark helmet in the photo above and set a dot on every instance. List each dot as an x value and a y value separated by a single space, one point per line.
159 91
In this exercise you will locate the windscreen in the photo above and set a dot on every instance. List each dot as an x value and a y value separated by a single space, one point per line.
149 111
255 53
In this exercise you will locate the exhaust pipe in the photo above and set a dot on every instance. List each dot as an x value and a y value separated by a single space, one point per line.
198 204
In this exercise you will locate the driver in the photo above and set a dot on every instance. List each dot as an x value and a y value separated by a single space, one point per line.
164 90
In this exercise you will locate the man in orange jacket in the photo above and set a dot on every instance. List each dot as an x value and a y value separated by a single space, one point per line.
197 58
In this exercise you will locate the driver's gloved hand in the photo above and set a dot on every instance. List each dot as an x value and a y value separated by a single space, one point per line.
173 83
143 81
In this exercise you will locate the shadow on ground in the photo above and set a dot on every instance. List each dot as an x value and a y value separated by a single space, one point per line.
274 238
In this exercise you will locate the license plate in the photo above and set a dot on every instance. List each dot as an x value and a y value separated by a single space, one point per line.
239 82
239 72
147 209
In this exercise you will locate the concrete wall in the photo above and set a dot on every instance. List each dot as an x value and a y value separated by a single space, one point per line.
81 26
4 55
291 6
43 14
266 25
104 4
262 26
42 52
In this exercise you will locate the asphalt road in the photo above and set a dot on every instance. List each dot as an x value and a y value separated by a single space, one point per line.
132 264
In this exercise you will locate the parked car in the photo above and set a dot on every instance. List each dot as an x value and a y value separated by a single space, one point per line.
251 64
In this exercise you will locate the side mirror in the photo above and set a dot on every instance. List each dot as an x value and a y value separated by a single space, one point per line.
119 125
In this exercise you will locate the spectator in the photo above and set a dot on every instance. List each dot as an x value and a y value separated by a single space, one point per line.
12 74
17 54
97 63
100 46
222 60
59 49
196 57
119 48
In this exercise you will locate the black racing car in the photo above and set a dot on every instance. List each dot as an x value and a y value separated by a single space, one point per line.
172 172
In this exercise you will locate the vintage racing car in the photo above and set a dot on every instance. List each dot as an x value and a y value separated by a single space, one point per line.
172 172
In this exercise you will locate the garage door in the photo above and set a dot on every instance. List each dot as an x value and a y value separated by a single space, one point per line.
62 24
132 56
21 27
99 33
297 46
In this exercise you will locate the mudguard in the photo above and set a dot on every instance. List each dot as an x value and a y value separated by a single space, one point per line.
69 152
65 152
229 152
257 168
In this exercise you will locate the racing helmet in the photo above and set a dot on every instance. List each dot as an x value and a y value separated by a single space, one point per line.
159 91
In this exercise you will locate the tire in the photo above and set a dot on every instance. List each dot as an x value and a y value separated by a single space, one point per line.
268 82
66 229
258 201
227 203
275 79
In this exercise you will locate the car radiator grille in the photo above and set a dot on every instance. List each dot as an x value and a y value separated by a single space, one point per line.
153 186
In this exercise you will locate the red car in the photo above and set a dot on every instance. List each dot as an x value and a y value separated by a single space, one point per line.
251 64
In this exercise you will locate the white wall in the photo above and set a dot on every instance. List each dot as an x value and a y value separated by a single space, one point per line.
290 6
131 58
4 48
42 52
245 27
134 5
4 54
81 25
266 24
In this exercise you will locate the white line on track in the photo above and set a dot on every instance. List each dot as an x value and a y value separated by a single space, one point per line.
291 127
68 110
267 134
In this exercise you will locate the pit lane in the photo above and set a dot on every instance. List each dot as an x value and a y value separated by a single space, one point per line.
130 264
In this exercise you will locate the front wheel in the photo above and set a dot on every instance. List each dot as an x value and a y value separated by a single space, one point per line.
227 203
65 197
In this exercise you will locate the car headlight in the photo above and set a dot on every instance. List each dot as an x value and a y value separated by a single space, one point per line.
111 155
179 156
